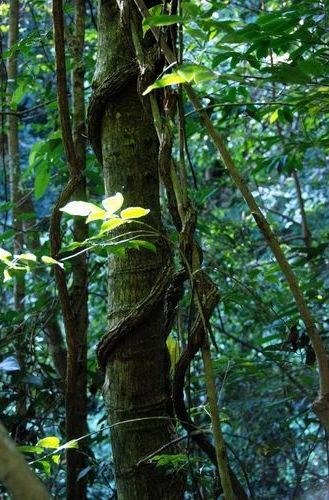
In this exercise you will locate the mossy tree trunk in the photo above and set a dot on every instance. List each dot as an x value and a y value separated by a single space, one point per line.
136 388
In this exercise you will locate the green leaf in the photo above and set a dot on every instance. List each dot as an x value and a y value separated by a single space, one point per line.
160 20
45 466
143 244
312 66
30 449
27 256
50 260
41 180
72 246
289 74
49 442
99 215
134 212
166 80
18 94
174 351
184 74
274 116
4 255
82 208
6 276
203 74
56 459
112 224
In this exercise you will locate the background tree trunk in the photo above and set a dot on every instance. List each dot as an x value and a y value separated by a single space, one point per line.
77 425
16 200
137 370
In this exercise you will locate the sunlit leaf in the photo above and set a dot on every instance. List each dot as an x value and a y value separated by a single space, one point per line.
49 442
30 449
166 80
6 276
160 20
79 208
134 212
50 260
100 214
113 203
45 466
56 459
274 116
174 351
27 256
111 224
4 255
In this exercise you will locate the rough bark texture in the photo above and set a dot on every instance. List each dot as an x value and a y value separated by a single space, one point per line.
137 369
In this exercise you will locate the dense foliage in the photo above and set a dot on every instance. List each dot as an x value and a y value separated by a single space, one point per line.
261 70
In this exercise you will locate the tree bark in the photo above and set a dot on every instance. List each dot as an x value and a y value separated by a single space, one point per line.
135 389
74 304
77 426
16 200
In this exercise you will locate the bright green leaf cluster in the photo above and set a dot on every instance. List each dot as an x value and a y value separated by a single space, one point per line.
186 73
107 213
21 262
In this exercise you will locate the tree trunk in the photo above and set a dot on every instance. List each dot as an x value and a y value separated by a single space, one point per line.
136 369
77 425
73 303
16 200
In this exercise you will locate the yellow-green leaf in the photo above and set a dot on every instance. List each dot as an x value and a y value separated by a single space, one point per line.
173 349
113 203
4 255
27 256
79 208
100 214
166 80
50 260
56 458
49 442
6 276
160 20
111 224
134 212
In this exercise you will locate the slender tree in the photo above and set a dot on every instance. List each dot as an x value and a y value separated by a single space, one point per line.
16 200
79 294
74 302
